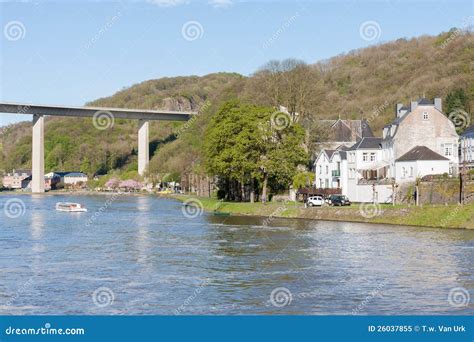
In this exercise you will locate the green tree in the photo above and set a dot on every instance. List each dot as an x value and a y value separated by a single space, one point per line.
456 99
245 149
303 179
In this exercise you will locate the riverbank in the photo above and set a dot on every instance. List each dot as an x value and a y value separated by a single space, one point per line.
438 216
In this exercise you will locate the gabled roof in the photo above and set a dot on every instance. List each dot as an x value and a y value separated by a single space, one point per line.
342 148
75 174
343 155
468 130
425 102
347 130
421 153
329 153
21 171
367 143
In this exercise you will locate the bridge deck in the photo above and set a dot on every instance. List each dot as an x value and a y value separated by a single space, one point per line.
118 113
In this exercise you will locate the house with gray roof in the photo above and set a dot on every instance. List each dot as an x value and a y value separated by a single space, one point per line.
418 162
343 132
421 124
331 169
420 141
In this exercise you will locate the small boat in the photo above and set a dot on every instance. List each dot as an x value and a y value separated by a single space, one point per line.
70 207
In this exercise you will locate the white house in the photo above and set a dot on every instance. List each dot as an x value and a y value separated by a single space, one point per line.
331 169
364 157
421 124
467 148
355 171
418 162
75 178
367 178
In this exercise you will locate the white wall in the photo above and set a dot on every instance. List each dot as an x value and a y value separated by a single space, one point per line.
467 148
365 193
322 171
74 180
419 168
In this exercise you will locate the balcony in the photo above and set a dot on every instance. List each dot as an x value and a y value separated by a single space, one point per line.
336 173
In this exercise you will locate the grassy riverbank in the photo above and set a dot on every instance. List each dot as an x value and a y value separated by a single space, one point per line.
450 216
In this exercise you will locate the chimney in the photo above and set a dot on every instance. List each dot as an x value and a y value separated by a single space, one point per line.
400 111
413 105
438 104
399 106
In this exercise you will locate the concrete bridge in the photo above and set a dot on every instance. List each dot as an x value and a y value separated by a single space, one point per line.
39 111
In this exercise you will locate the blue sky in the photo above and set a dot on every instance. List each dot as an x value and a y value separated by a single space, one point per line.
71 52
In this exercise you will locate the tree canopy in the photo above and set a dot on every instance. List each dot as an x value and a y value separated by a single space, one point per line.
247 151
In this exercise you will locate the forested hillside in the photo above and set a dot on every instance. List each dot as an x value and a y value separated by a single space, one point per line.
365 83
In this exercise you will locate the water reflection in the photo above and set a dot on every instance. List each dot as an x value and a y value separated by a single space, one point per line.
142 223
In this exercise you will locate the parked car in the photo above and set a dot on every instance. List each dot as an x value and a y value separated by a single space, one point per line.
339 200
315 201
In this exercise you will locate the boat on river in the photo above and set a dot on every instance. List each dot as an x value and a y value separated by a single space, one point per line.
70 207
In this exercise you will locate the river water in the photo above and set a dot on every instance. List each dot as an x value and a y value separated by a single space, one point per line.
141 255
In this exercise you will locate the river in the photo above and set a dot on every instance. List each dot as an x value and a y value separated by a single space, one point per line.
140 255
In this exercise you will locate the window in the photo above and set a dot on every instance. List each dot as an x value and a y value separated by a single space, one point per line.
327 183
425 116
448 150
411 171
365 157
372 157
320 169
327 169
404 172
320 183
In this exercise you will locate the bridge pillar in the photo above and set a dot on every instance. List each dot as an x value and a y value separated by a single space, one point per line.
37 159
143 146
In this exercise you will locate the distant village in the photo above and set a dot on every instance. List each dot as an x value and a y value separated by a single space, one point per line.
421 142
21 179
